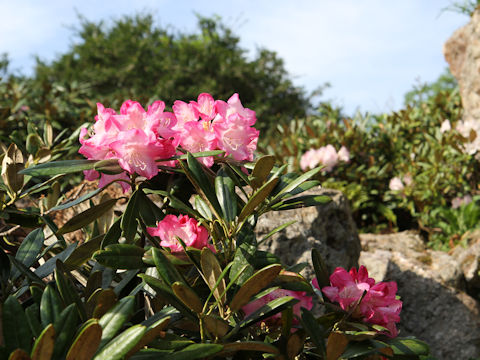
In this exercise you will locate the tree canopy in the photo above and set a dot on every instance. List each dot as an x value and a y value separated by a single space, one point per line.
135 58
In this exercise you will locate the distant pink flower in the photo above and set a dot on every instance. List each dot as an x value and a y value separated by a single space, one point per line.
305 302
458 201
344 154
328 157
378 306
408 180
396 184
445 126
186 228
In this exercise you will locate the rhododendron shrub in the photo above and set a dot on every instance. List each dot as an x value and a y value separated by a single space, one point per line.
371 302
326 156
174 268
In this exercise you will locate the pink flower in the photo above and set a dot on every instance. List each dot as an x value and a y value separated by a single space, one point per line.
344 154
236 137
328 157
197 137
396 184
378 306
205 106
458 201
184 113
445 126
309 160
305 302
186 228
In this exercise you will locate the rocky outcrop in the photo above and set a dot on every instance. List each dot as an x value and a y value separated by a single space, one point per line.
430 283
329 228
467 255
462 52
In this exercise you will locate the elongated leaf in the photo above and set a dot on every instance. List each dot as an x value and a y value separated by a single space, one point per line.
50 306
277 229
4 266
336 344
86 343
407 346
121 256
262 169
167 294
77 201
18 354
248 346
113 234
245 253
33 315
254 284
166 270
199 154
29 249
103 301
321 270
212 272
65 328
59 167
153 331
301 202
175 202
117 348
314 330
225 191
43 347
267 310
83 253
149 212
187 296
86 217
129 218
49 265
203 183
195 351
258 197
296 182
202 208
66 288
16 332
114 319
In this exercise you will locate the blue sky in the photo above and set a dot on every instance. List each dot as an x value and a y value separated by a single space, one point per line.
370 51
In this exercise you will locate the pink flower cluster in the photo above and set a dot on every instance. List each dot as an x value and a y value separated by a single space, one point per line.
326 155
461 201
139 138
305 302
186 228
378 306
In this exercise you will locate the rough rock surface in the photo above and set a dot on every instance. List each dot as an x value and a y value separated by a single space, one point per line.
468 257
462 52
329 228
434 309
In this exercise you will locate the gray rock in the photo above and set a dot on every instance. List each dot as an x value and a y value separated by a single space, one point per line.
329 228
429 282
468 257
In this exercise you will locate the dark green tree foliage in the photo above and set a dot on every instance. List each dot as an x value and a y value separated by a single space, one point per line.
134 58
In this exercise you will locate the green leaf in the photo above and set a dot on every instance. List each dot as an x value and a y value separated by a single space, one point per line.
33 315
50 306
4 267
114 319
254 284
117 348
49 265
201 180
167 293
203 209
195 351
16 332
77 201
129 218
86 217
321 270
83 253
225 191
277 229
267 310
187 296
67 289
175 203
258 197
121 256
314 330
87 341
409 346
43 347
29 250
245 253
65 327
291 185
149 212
59 167
113 234
301 202
262 169
166 270
212 273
